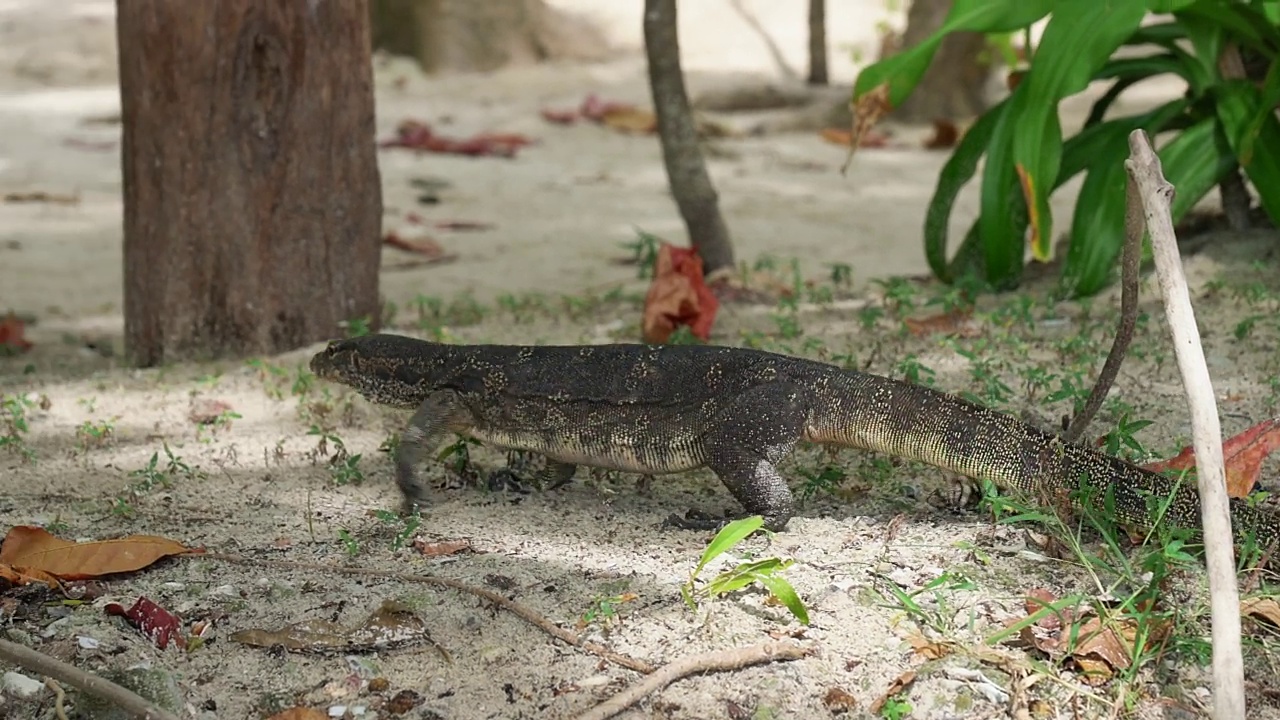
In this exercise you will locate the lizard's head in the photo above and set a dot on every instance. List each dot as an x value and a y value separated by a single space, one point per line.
383 368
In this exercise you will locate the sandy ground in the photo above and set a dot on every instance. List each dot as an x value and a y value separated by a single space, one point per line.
262 484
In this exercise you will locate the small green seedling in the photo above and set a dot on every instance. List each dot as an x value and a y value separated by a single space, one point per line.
766 572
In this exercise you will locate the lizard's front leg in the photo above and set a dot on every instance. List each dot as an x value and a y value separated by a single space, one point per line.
440 413
744 446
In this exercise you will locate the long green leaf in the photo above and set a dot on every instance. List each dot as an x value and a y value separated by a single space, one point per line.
1097 226
903 70
959 169
1077 42
1195 162
1134 70
1002 217
1239 104
1245 24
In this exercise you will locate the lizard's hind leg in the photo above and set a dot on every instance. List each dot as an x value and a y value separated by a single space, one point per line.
744 445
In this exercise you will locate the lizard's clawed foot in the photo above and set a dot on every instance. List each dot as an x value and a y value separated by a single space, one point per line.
697 520
507 479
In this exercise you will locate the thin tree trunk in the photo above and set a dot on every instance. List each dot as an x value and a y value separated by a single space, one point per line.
686 170
817 42
955 85
252 202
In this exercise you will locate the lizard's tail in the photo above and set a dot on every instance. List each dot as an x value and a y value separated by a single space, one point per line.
919 423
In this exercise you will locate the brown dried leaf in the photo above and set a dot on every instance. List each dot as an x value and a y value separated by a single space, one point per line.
900 683
207 411
392 625
40 196
929 649
945 135
300 713
442 548
33 548
630 120
839 701
1264 608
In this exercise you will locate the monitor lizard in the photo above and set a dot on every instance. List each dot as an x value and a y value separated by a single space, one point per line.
657 409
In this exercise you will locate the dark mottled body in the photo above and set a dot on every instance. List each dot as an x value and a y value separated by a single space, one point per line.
738 412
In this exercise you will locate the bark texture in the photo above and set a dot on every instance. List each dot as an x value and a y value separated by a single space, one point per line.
817 42
252 202
955 85
681 154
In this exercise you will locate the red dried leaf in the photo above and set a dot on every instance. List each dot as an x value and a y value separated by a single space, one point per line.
1243 455
155 622
419 136
11 335
424 246
678 296
560 117
593 108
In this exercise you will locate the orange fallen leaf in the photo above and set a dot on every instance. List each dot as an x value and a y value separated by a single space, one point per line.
416 135
33 548
442 548
26 576
954 323
426 247
631 120
678 295
929 649
1242 454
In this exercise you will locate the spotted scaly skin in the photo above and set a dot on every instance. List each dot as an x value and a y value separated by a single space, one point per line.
657 409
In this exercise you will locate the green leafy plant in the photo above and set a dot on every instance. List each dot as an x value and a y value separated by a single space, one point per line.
766 572
1221 124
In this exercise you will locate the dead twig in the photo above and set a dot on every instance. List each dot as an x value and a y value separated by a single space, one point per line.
86 682
714 661
1143 167
521 611
1134 226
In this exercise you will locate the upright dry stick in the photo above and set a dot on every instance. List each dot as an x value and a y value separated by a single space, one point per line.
1143 167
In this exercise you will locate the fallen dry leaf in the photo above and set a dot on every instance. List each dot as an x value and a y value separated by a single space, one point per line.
945 135
441 549
839 701
1243 455
26 576
392 625
157 623
12 340
929 649
300 713
1264 608
416 135
678 295
956 323
207 411
900 683
40 196
842 137
631 120
426 247
29 548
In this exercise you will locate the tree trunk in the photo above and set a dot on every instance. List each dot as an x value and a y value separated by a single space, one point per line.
681 154
955 85
252 201
817 42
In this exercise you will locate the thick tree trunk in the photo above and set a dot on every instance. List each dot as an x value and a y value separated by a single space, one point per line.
252 202
817 42
681 154
955 85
